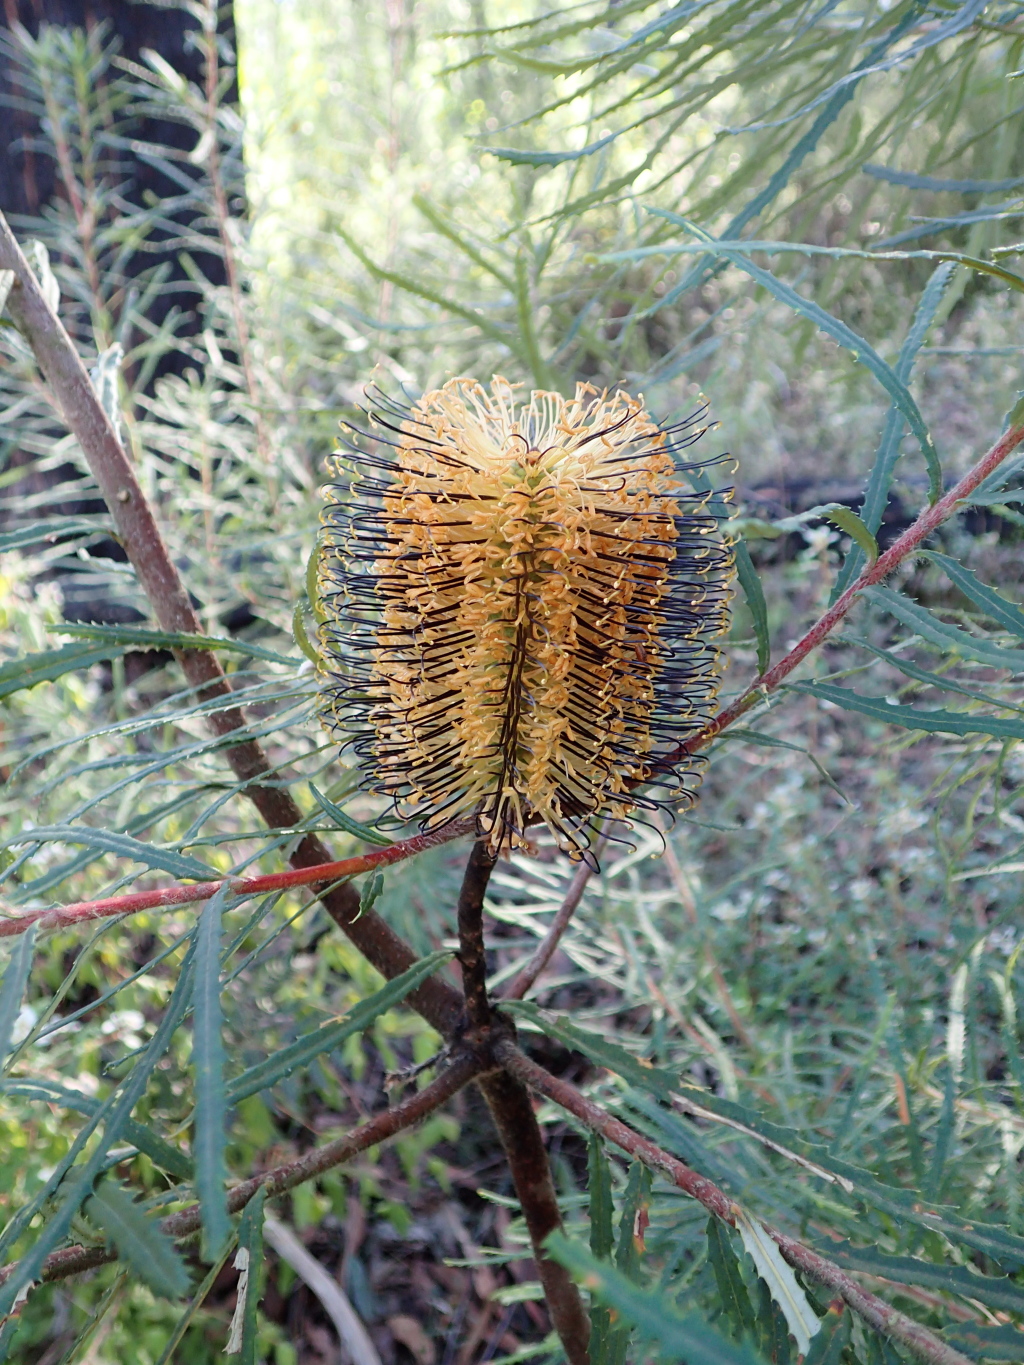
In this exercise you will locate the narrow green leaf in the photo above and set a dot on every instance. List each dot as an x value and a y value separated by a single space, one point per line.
943 1140
635 1203
210 1124
345 822
160 1152
527 158
122 845
49 531
139 1240
754 594
601 1242
250 1240
998 1292
601 1207
940 722
939 680
6 280
657 1080
861 349
987 1343
13 988
1007 614
688 1340
876 492
328 1036
143 638
774 742
949 638
20 674
929 182
731 1288
116 1109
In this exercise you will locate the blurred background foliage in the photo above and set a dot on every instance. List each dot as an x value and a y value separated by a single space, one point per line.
413 190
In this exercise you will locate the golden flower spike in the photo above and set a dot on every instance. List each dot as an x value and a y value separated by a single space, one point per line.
520 602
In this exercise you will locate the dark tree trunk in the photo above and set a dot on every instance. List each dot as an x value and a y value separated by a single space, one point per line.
28 177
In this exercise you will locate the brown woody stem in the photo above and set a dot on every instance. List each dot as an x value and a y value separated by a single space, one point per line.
139 533
880 1315
71 1260
512 1112
472 954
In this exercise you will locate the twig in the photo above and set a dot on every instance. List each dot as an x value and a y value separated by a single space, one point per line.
70 1260
512 1111
139 533
79 912
472 954
535 965
875 1311
355 1339
929 520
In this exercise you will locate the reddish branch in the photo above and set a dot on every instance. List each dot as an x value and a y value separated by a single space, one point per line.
59 917
71 1260
882 1316
929 520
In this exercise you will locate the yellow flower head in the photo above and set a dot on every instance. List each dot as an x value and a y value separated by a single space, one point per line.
520 604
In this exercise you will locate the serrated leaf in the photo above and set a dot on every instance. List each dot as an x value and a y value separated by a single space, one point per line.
731 1288
16 974
937 722
515 157
21 674
143 638
754 595
328 1036
122 845
345 822
997 1292
210 1123
778 1276
688 1340
987 1343
1005 613
949 638
139 1240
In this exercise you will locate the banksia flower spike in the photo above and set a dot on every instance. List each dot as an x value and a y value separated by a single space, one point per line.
520 601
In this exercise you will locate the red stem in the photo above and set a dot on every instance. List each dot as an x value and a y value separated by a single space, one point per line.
929 520
59 917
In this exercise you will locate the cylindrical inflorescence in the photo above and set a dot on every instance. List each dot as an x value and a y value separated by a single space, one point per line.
520 604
